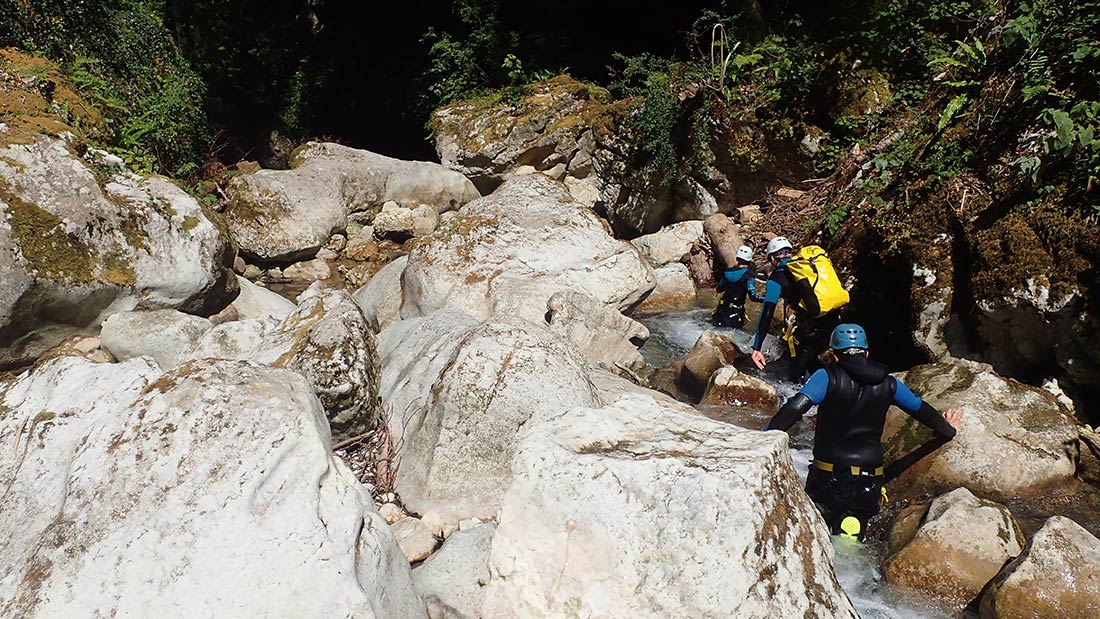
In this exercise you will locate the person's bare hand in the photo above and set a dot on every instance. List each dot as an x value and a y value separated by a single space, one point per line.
758 359
954 417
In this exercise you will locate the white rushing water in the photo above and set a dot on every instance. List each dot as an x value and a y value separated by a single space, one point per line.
857 564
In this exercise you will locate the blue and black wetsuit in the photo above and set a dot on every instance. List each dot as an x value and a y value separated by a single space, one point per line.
812 334
852 399
735 284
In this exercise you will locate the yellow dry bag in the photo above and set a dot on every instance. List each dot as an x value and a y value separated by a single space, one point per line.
812 268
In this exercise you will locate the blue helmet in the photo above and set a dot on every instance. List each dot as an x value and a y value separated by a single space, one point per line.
847 336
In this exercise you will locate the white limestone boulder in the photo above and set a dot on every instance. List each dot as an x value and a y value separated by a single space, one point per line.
258 302
458 392
669 244
207 491
512 250
84 238
380 298
165 335
1058 575
328 341
452 581
959 545
1015 440
284 215
633 510
607 339
237 340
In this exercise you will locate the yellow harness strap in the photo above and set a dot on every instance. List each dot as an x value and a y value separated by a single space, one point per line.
828 468
791 340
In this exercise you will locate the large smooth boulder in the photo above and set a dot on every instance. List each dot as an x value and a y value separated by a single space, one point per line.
380 298
959 545
452 581
458 392
165 335
669 244
238 340
1015 440
725 238
512 250
82 238
328 341
607 338
207 491
285 215
1058 575
711 351
632 510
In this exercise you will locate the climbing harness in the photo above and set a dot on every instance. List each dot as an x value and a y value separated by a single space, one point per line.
789 337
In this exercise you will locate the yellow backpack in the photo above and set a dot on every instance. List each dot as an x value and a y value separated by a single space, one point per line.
812 266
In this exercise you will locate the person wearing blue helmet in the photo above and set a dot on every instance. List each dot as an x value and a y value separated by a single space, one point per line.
852 397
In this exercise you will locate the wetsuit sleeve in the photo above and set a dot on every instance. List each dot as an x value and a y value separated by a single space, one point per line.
817 386
920 410
812 393
792 411
771 300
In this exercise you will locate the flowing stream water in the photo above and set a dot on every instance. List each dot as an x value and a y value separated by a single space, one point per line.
857 564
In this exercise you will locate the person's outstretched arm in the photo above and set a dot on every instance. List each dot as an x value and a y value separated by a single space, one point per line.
943 425
771 300
811 394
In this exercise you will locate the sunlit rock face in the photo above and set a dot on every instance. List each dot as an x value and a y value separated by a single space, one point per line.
634 510
210 490
1015 440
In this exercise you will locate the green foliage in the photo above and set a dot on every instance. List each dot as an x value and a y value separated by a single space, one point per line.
476 57
630 74
657 123
122 58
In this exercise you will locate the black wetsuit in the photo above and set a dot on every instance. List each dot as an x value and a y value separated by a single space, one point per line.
812 333
735 284
852 398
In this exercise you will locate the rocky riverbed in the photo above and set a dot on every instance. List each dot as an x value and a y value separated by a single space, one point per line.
462 406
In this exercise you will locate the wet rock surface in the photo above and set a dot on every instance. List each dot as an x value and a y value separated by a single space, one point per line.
1015 440
952 547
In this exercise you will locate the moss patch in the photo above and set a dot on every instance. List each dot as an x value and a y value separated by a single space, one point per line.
190 223
117 268
48 248
36 99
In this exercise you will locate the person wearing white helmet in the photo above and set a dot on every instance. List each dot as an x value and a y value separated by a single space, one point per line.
734 284
812 334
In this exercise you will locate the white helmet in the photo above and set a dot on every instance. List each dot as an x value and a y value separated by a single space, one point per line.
778 244
744 253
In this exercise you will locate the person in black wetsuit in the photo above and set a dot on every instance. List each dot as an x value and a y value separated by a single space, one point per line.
852 397
812 333
735 284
